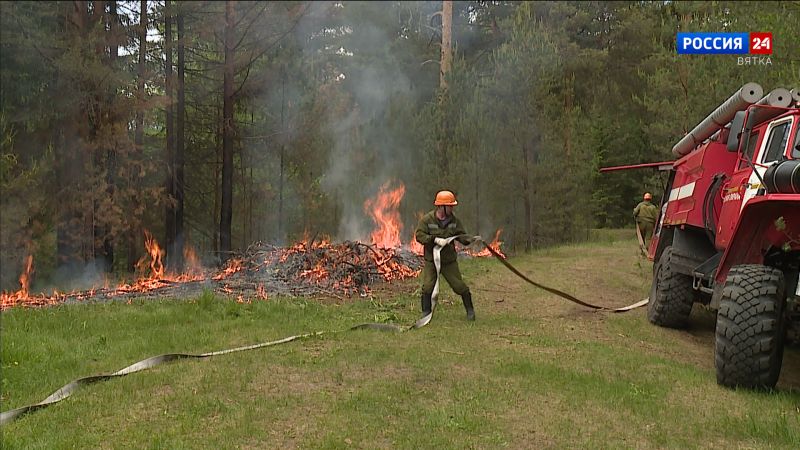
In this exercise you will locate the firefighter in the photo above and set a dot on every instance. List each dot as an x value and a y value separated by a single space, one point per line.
433 228
646 215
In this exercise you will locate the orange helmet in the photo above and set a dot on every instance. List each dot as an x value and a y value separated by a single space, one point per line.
445 198
647 196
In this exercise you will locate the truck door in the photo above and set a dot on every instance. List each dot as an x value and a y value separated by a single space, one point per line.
733 192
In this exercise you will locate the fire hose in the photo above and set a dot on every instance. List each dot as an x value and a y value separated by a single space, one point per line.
561 294
640 238
67 390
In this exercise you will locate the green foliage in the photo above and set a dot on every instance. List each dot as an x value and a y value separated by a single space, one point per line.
335 99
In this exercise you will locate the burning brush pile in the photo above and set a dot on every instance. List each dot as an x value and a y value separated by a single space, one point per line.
310 268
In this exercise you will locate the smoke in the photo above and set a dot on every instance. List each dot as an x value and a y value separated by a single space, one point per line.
367 150
74 277
367 71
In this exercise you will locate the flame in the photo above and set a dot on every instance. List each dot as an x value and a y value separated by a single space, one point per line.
191 261
413 245
150 267
231 267
25 277
384 212
261 292
8 299
391 269
495 245
319 272
155 253
347 268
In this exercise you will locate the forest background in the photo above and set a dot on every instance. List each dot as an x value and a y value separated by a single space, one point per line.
213 125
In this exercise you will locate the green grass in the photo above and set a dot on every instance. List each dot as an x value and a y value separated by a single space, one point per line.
534 371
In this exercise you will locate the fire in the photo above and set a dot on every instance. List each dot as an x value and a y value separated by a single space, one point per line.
234 265
158 276
495 245
8 299
346 267
191 261
317 273
413 245
384 212
342 268
156 254
261 292
25 277
153 275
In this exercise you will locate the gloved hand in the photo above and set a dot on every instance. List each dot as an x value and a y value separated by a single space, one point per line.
441 242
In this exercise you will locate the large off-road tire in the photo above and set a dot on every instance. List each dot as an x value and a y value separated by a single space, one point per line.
750 327
671 295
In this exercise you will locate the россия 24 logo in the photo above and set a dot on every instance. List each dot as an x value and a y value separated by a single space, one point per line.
724 43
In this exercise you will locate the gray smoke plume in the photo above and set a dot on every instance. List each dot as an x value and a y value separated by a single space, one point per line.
367 151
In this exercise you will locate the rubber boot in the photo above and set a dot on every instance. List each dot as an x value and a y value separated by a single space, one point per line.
467 299
426 304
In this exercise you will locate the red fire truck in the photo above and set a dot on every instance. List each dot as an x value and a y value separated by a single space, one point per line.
728 233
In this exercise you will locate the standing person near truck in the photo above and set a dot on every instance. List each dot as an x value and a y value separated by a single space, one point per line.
646 214
433 229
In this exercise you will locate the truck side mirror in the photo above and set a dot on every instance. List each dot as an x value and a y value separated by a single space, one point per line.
737 124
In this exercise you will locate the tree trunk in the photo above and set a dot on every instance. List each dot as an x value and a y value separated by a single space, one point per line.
447 51
226 208
111 154
69 161
217 166
444 68
135 231
283 151
95 120
245 198
69 166
169 238
250 200
477 191
568 102
177 250
526 197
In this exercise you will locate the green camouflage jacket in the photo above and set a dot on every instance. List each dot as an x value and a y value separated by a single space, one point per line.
646 211
430 228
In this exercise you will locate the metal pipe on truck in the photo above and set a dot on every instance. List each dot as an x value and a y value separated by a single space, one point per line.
748 94
795 93
779 97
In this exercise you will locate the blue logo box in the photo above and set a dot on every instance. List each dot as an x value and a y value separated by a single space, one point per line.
713 43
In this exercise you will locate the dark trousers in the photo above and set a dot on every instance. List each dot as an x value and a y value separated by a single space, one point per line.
449 271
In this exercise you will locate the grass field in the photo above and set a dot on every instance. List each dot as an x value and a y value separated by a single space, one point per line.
533 371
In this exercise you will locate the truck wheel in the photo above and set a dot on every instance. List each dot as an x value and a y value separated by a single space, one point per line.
671 295
750 327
